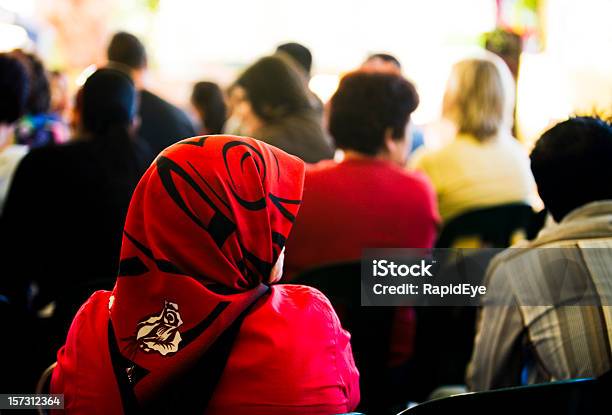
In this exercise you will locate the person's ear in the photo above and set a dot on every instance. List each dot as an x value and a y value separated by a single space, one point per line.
395 148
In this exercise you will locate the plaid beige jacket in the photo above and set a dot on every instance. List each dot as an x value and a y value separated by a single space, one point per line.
517 343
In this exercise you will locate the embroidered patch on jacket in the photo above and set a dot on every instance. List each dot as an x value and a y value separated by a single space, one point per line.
159 333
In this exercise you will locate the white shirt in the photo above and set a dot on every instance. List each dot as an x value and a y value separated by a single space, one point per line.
9 160
468 174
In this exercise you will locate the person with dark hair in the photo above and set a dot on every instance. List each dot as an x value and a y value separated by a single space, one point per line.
382 62
275 107
368 117
14 359
209 102
196 322
299 53
161 123
64 214
367 200
585 145
567 335
39 127
13 97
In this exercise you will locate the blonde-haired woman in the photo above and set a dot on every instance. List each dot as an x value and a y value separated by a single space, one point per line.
483 165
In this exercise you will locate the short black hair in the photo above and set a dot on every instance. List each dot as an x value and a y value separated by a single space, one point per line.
300 53
39 95
275 88
208 98
572 164
386 58
127 49
366 105
13 88
107 102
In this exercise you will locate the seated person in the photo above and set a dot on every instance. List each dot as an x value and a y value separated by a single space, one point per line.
161 123
193 321
367 200
15 359
64 214
273 104
40 126
208 102
303 59
483 165
554 339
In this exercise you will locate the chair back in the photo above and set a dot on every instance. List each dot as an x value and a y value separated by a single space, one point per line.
569 397
44 384
493 227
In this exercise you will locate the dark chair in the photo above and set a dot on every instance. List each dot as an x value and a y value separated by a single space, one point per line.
570 397
370 329
44 385
493 227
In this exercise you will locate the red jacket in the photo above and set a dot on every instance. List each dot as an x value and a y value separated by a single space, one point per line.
357 204
291 356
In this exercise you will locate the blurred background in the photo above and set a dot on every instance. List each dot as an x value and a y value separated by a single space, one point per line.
564 60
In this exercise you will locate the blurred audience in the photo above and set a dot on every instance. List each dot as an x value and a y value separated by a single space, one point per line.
14 95
273 105
201 329
483 165
366 200
40 126
161 123
65 210
209 103
527 333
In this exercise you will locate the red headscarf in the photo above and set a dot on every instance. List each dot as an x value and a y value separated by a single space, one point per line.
206 224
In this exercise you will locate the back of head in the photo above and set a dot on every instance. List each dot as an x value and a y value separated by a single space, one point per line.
128 50
39 97
299 53
13 88
382 62
572 164
108 101
274 87
366 105
208 100
479 97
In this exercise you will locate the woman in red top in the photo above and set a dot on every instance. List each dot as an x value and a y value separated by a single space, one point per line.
193 323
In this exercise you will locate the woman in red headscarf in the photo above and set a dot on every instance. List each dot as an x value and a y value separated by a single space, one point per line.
193 324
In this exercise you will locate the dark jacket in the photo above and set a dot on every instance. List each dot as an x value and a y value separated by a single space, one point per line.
63 219
299 134
161 123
